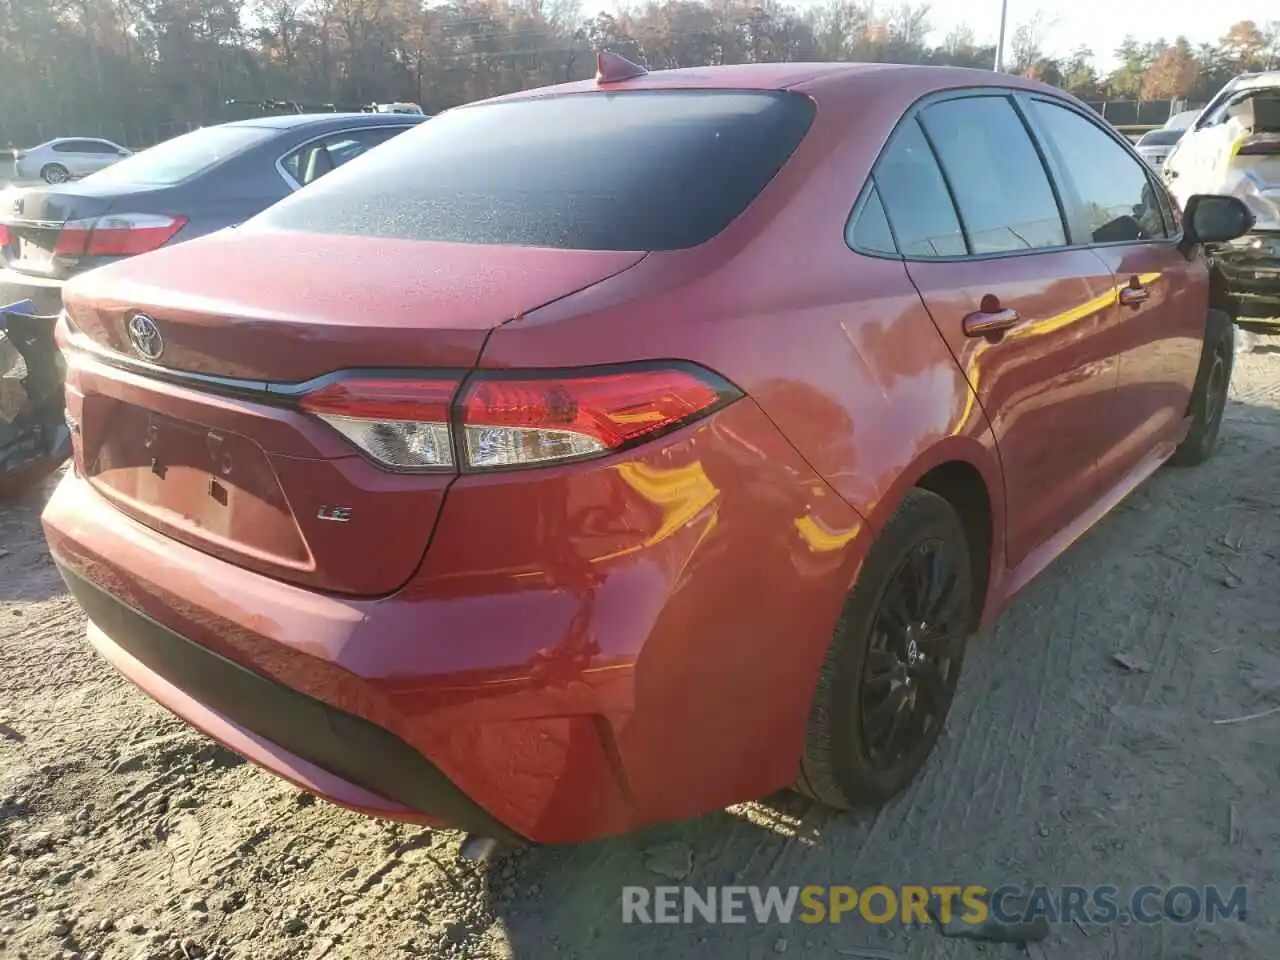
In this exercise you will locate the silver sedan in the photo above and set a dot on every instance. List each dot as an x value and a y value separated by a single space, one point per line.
67 158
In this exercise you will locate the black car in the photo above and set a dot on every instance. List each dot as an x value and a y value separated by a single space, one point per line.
194 184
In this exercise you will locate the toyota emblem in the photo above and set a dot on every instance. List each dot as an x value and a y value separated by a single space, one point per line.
145 336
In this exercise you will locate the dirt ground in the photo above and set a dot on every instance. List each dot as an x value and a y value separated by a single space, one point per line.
125 835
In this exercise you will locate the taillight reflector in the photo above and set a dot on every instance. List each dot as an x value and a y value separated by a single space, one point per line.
514 419
117 235
401 423
517 421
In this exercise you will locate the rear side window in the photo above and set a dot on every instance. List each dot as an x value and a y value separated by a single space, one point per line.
916 199
869 232
312 160
1119 201
999 181
641 170
184 156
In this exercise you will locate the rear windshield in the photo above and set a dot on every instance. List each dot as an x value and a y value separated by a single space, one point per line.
642 170
1160 138
184 156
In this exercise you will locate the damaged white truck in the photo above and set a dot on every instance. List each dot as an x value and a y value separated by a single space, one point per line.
1233 147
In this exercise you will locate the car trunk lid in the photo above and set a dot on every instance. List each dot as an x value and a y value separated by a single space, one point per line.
203 440
285 307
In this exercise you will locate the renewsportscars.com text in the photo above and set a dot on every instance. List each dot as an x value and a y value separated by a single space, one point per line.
1008 904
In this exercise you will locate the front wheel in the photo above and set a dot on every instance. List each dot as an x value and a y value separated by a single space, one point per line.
891 671
55 173
1209 396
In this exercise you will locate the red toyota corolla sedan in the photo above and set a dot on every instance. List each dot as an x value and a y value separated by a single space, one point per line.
614 452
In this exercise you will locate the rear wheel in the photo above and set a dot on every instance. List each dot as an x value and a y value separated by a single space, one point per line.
1209 397
891 671
55 173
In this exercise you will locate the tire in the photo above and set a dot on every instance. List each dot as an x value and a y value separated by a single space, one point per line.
841 766
1209 395
54 173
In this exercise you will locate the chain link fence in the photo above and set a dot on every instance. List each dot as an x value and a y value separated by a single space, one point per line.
1140 113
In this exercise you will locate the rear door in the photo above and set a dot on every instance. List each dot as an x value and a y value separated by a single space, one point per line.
78 156
1156 328
980 223
99 153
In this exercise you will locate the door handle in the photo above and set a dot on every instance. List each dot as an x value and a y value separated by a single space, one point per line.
1132 296
983 323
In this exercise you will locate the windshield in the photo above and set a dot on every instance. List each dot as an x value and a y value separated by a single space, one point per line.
184 156
641 170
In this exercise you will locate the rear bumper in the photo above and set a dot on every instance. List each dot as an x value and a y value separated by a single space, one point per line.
586 650
317 747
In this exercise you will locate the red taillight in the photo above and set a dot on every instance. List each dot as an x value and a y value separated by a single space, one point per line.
5 237
512 420
401 423
509 421
117 235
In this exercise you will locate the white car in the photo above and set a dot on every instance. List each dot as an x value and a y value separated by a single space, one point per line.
1233 147
1181 121
68 158
1154 145
412 109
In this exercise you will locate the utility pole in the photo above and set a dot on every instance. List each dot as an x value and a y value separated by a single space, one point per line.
1004 13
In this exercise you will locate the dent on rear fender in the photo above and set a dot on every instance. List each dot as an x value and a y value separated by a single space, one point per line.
650 591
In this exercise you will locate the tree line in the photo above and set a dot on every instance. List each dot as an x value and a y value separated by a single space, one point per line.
140 70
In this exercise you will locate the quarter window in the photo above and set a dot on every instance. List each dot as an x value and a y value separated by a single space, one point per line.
870 231
1120 203
916 199
996 175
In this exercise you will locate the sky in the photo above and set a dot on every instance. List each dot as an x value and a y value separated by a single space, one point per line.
1099 24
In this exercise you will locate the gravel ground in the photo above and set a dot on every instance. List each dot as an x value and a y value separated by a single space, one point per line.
123 834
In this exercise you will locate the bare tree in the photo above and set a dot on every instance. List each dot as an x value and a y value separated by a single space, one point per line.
140 70
1027 44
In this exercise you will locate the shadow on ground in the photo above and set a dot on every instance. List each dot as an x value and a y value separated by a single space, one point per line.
26 570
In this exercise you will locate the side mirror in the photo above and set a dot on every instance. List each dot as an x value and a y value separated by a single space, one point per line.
1214 218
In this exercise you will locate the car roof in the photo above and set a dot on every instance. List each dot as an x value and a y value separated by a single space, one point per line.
1250 81
292 121
49 143
808 77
